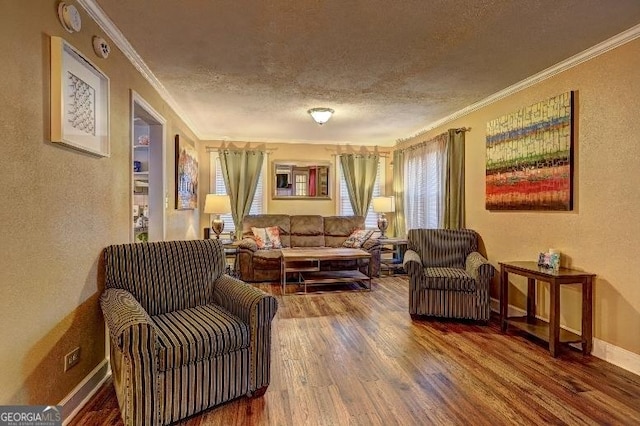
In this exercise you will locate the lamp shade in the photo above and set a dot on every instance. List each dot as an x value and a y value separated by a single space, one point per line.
384 204
321 115
217 204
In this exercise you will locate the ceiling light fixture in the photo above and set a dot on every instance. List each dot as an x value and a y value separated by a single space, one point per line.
321 115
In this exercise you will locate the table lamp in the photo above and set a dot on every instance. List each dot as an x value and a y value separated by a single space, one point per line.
383 205
216 205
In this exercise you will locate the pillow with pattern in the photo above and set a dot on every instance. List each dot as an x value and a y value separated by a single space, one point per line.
267 238
357 238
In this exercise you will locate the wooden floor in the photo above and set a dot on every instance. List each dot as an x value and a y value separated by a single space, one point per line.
356 358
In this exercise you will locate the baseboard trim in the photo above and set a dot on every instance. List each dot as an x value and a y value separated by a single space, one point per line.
81 394
604 350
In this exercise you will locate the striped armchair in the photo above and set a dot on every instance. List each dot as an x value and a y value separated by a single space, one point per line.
447 276
184 337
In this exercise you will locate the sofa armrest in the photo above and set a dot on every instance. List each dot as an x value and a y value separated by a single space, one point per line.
412 263
256 308
126 319
479 268
248 244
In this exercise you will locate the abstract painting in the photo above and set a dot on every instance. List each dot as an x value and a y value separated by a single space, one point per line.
186 175
529 163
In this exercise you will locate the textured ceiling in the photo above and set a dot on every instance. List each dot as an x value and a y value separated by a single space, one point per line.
248 70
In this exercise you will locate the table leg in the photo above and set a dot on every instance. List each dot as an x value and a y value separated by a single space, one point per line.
283 275
587 316
504 298
554 319
531 300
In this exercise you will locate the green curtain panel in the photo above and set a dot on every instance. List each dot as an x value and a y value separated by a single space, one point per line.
454 210
360 176
398 225
241 171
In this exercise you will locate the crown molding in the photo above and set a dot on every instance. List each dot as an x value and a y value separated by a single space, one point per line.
586 55
113 32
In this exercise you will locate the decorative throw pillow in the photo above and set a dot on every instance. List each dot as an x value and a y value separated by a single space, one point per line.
267 238
357 238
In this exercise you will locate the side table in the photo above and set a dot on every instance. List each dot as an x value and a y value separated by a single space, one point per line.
548 331
397 247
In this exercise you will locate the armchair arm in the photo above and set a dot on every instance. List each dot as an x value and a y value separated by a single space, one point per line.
248 244
133 356
412 263
256 308
125 316
479 268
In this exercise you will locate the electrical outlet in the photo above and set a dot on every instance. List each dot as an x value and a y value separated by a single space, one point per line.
72 358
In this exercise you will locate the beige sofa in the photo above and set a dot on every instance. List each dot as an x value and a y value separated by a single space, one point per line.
300 231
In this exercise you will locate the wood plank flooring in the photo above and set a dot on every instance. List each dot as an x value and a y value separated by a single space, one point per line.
356 358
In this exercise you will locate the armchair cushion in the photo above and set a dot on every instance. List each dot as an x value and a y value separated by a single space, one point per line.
199 333
448 279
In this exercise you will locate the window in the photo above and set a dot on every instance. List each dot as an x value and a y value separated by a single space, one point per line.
301 184
344 204
217 186
423 205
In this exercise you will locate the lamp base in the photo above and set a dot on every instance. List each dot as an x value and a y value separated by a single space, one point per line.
217 226
383 224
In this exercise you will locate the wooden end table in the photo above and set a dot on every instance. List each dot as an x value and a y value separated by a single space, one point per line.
548 331
397 247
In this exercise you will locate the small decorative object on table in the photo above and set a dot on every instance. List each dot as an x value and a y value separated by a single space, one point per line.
549 260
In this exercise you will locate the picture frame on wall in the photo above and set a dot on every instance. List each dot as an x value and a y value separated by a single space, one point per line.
529 157
186 176
79 101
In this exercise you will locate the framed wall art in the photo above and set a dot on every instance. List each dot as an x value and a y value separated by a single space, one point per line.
529 163
79 101
186 175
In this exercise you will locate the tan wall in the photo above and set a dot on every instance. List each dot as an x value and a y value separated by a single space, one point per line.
60 208
287 152
601 234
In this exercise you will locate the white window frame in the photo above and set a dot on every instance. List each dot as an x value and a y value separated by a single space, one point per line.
344 204
217 186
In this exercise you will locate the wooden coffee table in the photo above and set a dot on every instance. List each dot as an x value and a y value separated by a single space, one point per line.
306 262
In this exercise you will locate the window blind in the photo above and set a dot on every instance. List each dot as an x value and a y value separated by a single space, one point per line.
423 206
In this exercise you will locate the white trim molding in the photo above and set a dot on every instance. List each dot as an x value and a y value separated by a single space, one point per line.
586 55
84 391
605 351
113 32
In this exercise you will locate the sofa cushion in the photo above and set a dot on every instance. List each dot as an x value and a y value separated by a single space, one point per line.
307 231
357 238
338 228
448 279
267 238
264 220
199 333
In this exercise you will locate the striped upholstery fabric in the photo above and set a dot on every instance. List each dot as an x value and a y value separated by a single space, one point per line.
184 337
165 276
447 276
198 333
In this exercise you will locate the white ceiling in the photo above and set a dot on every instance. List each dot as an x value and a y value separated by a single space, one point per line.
248 70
